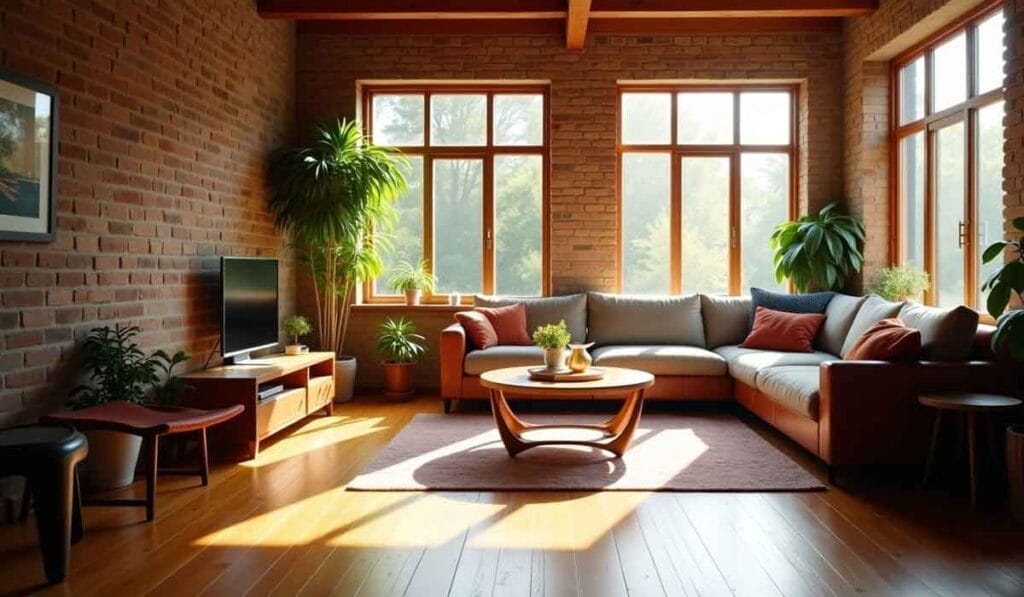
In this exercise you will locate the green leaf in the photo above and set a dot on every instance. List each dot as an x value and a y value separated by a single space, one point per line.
1018 223
997 300
993 251
1013 274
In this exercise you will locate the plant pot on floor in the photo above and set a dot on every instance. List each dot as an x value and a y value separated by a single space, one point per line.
344 378
398 378
112 459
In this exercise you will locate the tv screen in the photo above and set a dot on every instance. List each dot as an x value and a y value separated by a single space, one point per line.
249 303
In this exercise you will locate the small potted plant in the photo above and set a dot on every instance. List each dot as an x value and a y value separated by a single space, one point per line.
401 347
119 370
296 326
553 338
412 280
901 283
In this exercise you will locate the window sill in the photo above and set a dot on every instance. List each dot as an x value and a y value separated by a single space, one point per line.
403 308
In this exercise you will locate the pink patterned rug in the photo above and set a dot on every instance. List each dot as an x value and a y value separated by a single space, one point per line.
690 452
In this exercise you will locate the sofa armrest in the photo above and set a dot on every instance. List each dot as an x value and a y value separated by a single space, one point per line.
453 350
869 414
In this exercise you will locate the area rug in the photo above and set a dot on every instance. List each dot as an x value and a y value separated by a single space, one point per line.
691 452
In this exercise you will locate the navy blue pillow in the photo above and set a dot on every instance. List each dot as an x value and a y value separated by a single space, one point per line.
814 302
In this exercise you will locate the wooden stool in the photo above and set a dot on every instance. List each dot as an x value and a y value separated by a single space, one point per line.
148 422
47 456
969 405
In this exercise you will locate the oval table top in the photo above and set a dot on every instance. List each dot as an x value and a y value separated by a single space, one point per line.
968 401
517 379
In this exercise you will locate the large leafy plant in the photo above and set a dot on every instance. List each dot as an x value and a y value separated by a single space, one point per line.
1003 283
818 252
330 196
398 342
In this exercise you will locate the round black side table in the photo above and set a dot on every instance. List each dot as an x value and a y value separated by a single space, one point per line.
47 456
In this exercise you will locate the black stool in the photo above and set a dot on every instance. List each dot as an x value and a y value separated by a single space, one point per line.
47 456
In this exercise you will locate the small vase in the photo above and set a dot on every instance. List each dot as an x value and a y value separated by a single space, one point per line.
554 358
454 299
579 359
412 297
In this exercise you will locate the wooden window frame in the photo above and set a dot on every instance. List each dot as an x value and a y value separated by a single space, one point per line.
929 125
486 153
733 151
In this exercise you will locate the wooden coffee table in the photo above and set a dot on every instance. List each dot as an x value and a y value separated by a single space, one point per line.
617 431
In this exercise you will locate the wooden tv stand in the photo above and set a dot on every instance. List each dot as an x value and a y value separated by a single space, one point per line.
309 386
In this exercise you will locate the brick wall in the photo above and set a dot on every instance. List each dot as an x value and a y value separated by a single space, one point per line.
168 110
1013 147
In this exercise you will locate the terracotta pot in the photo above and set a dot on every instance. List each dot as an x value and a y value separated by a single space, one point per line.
344 378
398 378
412 297
112 459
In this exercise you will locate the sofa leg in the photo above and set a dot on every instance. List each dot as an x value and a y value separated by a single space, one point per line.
447 406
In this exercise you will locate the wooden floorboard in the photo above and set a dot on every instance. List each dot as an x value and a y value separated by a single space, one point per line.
285 525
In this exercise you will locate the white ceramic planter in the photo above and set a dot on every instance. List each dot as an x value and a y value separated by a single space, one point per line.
112 459
344 378
554 358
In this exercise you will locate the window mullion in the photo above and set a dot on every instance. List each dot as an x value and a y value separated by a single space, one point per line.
488 223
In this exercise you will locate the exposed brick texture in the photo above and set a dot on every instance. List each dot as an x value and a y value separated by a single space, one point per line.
583 115
168 110
1013 147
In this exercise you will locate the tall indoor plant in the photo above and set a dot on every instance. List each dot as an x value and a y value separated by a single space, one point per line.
329 196
818 252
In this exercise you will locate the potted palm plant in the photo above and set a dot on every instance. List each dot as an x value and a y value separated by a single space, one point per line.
818 252
118 369
401 347
330 196
412 280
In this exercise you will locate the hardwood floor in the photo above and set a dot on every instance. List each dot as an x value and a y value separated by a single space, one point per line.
284 525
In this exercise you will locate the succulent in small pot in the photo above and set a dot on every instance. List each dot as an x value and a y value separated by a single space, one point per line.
901 283
296 326
553 338
401 347
412 280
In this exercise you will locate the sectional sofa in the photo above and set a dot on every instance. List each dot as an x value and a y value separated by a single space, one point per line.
848 413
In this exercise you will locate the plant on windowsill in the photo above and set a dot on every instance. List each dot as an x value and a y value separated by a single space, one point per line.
1005 282
901 283
296 326
412 280
818 252
118 370
401 348
553 338
330 196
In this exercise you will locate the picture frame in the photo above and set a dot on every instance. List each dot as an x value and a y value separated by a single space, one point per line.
29 119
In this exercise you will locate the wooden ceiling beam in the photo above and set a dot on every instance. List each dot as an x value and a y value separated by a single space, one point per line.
576 24
697 9
362 10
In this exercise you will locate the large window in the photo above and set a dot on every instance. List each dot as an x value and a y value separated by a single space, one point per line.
478 163
948 156
706 173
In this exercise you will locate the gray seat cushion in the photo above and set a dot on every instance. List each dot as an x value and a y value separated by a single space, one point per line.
872 310
946 334
794 387
571 308
496 357
622 319
746 363
727 319
839 315
662 359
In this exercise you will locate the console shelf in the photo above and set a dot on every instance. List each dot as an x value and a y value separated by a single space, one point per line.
309 387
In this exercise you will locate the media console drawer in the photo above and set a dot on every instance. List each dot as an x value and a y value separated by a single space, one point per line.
279 412
321 393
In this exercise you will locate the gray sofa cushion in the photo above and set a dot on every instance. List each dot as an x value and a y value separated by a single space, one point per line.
946 334
620 319
661 359
794 387
727 319
812 302
544 310
839 315
872 310
746 363
497 357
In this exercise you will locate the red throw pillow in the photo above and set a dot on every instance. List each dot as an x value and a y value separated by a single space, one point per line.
778 330
887 340
478 328
509 323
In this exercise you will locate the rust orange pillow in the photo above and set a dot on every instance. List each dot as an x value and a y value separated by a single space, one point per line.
779 330
509 324
887 340
478 328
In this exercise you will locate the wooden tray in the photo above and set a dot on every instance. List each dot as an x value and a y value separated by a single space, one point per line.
545 374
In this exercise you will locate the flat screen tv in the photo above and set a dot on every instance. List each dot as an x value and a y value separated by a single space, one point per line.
248 305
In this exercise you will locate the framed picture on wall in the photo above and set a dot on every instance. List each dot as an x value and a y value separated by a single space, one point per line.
28 159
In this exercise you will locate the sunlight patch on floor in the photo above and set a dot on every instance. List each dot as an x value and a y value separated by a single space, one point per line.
317 434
